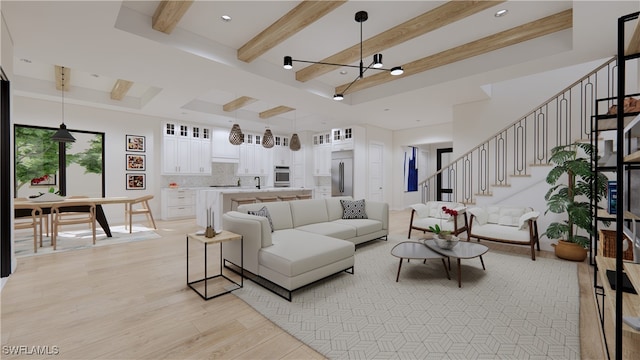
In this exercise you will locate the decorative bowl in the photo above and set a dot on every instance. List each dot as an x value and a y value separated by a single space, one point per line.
447 243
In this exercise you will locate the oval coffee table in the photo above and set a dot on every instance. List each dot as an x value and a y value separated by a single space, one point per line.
464 250
415 250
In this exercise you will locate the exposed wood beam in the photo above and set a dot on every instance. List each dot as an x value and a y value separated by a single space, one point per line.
634 45
238 103
120 89
419 25
63 73
548 25
168 14
295 20
275 111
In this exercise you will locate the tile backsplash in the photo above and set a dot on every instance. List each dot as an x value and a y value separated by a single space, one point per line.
221 174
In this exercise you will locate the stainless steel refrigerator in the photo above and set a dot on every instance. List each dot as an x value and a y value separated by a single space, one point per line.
342 173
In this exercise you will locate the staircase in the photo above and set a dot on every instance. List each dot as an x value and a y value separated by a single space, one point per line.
516 157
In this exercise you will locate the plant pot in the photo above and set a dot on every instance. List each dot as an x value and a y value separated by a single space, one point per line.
570 251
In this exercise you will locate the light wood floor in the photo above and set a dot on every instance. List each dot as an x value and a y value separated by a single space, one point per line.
130 301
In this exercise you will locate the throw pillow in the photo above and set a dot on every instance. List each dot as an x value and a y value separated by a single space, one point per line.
353 209
263 212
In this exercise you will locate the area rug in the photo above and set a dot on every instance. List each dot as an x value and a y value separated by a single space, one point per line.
81 239
516 309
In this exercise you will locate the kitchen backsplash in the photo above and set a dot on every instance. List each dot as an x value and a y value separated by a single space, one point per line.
221 174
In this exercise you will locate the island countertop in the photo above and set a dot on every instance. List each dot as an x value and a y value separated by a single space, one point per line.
218 199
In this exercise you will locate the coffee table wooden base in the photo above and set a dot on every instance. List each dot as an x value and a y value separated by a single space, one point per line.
463 250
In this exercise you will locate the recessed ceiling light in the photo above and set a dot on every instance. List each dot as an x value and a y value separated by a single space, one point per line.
225 18
343 72
501 13
26 60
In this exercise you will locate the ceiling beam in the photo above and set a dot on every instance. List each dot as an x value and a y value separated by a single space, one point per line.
238 103
63 73
548 25
168 14
634 45
275 111
441 16
288 25
120 89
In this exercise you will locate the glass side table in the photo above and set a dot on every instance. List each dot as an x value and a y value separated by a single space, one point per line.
218 239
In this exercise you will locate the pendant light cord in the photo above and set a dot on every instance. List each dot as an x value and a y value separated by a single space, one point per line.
62 86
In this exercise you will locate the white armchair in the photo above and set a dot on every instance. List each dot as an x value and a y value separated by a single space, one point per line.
507 224
430 214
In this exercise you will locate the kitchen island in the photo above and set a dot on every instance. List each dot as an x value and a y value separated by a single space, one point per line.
219 200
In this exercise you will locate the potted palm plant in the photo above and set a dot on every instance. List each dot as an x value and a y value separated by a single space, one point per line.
574 190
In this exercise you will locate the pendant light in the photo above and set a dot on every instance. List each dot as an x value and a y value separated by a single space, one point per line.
294 144
267 139
63 135
236 137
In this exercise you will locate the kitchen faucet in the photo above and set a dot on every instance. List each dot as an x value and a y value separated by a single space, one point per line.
258 184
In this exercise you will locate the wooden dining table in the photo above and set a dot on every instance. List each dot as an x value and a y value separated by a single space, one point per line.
100 216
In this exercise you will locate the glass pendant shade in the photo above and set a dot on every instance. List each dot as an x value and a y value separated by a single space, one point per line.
294 144
63 135
236 137
267 139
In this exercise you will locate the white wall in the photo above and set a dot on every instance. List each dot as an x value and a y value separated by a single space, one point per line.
435 134
475 122
6 63
115 125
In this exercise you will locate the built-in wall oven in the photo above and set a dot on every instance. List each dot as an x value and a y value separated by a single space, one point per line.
282 176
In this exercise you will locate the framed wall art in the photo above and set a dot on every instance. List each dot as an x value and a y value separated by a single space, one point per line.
136 181
135 143
44 180
136 162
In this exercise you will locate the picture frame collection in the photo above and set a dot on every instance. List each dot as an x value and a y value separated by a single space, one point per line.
135 161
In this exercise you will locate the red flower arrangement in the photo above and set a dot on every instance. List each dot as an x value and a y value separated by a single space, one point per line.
448 211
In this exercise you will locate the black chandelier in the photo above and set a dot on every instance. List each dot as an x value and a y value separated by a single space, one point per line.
376 64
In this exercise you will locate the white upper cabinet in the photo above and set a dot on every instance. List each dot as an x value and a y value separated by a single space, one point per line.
222 150
342 139
255 159
186 150
282 154
322 154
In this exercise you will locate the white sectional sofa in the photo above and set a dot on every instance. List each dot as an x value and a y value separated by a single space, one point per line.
304 240
431 214
507 224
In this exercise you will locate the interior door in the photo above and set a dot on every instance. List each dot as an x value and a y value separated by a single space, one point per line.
376 165
444 181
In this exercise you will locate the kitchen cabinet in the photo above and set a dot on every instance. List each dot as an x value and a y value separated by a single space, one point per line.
177 203
186 150
200 150
342 139
322 154
221 149
255 159
322 192
298 173
176 149
281 154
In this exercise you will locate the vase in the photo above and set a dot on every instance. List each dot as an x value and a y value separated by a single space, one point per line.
570 251
446 242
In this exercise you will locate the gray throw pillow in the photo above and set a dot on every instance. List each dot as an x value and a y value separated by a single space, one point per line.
263 212
353 209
